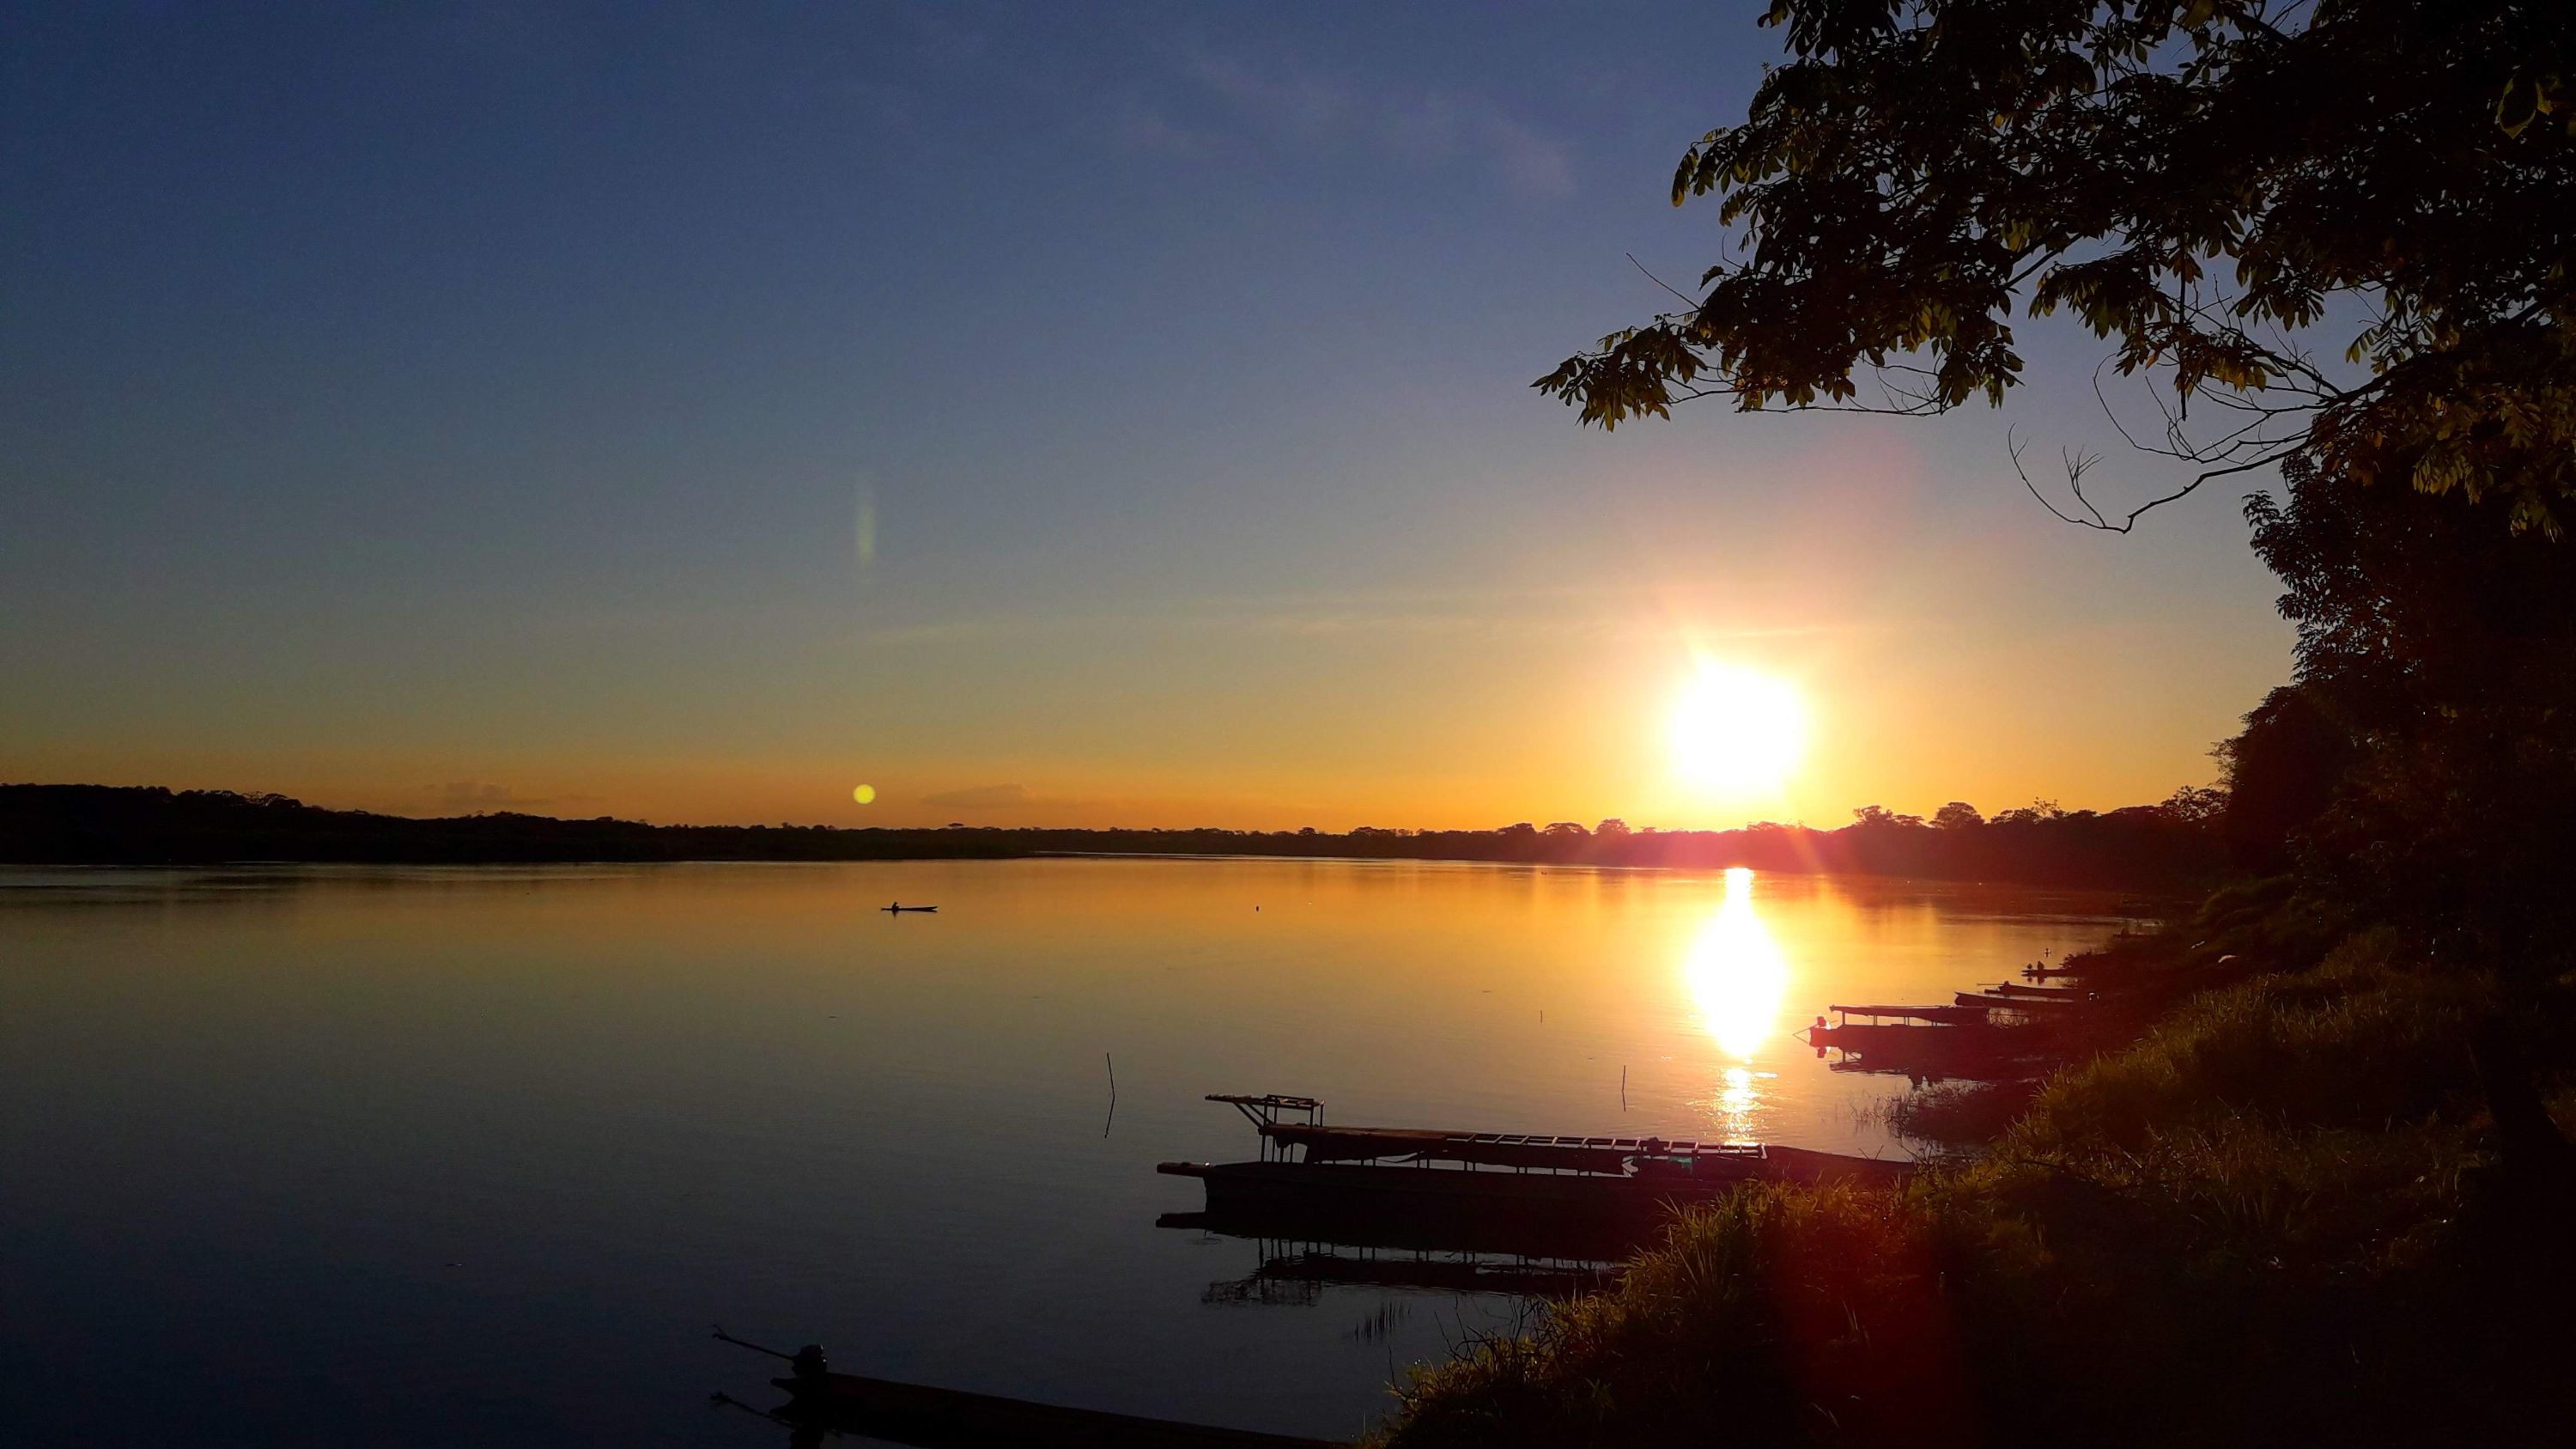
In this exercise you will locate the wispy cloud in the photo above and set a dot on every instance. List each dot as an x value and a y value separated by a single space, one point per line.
1000 798
470 797
981 797
1146 128
1424 130
1587 613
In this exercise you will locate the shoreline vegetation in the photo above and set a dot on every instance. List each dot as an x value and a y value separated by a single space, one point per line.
2272 1200
2176 846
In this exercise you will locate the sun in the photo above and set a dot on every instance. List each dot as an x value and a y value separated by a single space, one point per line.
1736 730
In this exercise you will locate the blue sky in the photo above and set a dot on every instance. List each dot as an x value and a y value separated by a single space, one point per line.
468 407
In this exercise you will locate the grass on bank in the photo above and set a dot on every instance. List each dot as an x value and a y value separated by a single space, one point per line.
2275 1213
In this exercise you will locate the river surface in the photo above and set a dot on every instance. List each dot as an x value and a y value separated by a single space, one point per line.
477 1155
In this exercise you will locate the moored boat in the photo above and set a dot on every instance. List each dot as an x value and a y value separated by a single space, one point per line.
2017 1003
2038 993
936 1418
1469 1181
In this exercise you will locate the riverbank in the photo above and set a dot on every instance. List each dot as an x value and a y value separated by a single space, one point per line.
2147 848
2283 1208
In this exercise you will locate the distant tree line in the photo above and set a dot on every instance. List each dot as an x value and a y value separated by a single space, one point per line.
2176 844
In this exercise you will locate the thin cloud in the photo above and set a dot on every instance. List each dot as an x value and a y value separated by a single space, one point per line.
981 797
1423 131
1599 613
1146 129
472 797
999 797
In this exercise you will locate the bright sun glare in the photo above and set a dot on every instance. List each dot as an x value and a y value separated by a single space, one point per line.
1737 730
1738 975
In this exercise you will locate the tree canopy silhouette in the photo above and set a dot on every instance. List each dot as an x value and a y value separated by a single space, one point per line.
2208 183
2431 738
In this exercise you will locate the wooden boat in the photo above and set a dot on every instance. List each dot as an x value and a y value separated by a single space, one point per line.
2017 1003
2058 993
1952 1067
1866 1036
1960 1041
952 1419
1487 1180
898 908
1946 1015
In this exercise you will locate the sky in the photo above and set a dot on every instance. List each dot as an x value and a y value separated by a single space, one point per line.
1044 415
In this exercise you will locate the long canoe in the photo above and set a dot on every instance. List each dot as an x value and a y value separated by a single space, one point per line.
1318 1143
1539 1197
1946 1015
2061 993
1880 1036
2017 1003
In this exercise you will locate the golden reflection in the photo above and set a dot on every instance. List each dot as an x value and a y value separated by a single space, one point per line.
1736 1105
1737 973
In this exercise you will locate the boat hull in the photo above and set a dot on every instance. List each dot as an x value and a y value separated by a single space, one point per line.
1508 1209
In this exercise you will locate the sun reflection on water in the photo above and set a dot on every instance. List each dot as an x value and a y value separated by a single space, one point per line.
1736 1105
1738 977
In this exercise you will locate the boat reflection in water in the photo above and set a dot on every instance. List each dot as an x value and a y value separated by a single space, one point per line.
1739 978
1296 1271
1299 1253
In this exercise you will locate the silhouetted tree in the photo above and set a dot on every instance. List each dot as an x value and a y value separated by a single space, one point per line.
2195 805
1957 815
2137 846
2444 652
2199 182
2282 772
1613 827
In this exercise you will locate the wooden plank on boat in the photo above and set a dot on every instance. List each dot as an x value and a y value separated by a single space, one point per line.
1951 1015
1459 1197
1322 1145
1978 1052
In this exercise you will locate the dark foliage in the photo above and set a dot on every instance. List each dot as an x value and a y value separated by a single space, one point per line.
2142 847
2437 663
2274 1216
2281 772
2199 182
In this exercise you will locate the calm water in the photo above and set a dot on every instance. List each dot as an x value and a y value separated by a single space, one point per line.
436 1156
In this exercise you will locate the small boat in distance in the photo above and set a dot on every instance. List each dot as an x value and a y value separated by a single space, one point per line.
898 908
2050 1004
